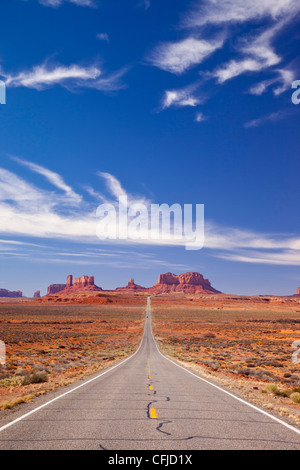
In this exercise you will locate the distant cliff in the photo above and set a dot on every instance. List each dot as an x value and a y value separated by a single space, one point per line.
11 294
54 288
80 283
190 283
132 287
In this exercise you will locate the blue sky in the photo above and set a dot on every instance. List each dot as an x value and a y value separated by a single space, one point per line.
166 102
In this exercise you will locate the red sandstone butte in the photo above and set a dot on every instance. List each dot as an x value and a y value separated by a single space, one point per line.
298 291
69 281
80 283
132 287
11 294
190 283
37 294
84 281
54 288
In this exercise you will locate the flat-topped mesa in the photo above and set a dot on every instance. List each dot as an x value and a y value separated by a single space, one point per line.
54 288
37 294
10 294
190 282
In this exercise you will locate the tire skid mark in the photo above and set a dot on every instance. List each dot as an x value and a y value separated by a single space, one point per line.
148 408
160 426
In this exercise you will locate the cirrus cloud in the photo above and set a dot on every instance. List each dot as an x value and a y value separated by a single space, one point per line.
237 11
57 3
177 57
71 77
27 210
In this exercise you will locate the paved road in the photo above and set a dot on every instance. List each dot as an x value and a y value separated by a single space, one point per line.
146 402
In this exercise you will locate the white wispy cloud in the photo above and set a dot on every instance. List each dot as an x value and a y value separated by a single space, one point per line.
256 53
177 57
95 194
42 76
113 184
117 191
284 258
272 117
209 25
57 3
234 244
30 211
200 117
238 11
187 96
109 82
71 77
14 189
232 238
283 79
52 177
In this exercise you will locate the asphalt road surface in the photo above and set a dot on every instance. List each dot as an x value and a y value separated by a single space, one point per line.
145 402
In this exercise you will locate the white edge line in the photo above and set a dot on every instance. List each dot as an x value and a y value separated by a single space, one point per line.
73 389
228 393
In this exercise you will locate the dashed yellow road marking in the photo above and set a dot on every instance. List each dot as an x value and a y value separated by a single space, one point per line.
153 413
150 387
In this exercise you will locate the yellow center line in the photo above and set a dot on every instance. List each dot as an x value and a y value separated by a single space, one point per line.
153 413
150 387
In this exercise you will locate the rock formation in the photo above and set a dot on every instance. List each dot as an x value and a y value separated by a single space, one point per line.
190 283
132 287
69 280
37 294
80 283
54 288
83 281
298 291
11 294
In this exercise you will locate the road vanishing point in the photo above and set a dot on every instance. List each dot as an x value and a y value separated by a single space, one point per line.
144 402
